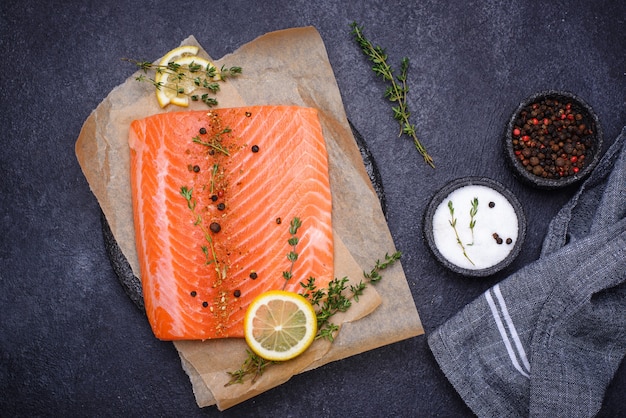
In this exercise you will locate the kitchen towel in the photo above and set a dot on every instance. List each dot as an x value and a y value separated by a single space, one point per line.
547 340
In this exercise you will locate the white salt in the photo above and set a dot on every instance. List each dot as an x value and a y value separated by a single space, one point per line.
481 247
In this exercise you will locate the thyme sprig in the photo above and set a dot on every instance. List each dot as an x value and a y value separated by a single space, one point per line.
187 193
374 275
199 75
397 90
328 302
253 365
292 255
452 222
473 212
214 142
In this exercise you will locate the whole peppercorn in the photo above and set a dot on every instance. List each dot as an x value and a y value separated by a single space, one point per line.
551 137
215 227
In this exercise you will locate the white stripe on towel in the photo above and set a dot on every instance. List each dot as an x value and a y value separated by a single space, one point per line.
525 370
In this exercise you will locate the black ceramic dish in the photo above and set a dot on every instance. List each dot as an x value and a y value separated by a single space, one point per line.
549 151
442 196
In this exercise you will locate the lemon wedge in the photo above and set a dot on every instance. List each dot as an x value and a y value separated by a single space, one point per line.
280 325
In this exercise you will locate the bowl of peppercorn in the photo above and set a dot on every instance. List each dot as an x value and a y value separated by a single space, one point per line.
553 140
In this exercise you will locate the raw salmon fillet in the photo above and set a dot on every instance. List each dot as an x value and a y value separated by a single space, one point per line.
214 193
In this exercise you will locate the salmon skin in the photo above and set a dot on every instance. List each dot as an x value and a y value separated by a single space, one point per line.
214 193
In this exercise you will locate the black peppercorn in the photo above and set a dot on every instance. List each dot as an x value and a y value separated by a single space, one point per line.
196 168
214 197
237 293
561 127
205 304
255 148
202 131
221 206
492 204
254 275
193 293
215 227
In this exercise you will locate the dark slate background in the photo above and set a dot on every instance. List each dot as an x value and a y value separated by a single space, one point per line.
71 341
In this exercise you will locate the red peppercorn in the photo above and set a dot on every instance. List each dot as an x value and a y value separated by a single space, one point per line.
574 159
516 132
526 138
575 169
535 121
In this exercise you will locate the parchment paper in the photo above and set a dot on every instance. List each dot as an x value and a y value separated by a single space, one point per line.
287 67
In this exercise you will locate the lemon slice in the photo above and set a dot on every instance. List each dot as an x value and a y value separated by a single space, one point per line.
280 325
175 87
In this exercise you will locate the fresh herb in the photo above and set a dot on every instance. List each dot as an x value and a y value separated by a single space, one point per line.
374 275
337 298
187 193
199 75
253 365
473 212
292 255
215 142
397 91
452 222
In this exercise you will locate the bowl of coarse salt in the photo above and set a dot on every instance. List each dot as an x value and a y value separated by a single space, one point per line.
474 226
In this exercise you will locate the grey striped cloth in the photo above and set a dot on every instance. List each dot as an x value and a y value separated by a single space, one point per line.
547 340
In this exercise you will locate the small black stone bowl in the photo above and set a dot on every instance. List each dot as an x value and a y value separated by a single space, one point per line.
552 140
497 235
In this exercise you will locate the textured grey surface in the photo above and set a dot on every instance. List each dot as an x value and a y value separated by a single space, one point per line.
71 341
